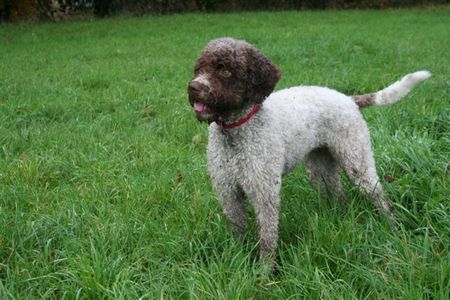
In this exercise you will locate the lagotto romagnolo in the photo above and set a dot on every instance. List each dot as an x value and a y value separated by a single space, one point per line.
256 136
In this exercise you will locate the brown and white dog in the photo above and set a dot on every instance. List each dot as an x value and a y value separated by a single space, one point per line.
256 136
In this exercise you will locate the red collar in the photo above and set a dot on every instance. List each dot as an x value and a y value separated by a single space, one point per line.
242 121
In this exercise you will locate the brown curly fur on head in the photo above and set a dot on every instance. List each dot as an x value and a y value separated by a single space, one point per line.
230 74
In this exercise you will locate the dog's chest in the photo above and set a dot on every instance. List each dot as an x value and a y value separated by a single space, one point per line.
231 152
236 157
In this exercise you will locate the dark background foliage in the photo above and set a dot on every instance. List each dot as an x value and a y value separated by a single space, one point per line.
14 10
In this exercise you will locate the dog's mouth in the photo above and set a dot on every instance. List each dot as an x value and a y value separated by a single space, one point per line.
203 112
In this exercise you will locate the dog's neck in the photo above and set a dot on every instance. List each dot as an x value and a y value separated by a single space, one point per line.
240 117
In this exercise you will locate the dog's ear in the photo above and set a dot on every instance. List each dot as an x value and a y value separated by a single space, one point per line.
262 76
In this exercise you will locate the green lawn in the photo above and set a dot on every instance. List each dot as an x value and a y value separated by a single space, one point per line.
104 191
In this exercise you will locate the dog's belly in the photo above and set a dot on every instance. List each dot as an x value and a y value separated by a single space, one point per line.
295 153
290 165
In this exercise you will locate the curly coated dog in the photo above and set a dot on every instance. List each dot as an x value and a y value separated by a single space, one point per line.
256 136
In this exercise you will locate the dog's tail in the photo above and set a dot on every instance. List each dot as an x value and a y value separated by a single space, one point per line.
392 93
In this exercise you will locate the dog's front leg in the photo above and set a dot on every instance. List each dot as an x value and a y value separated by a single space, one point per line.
267 219
266 202
233 204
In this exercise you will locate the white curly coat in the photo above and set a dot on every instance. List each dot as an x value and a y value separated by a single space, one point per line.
317 125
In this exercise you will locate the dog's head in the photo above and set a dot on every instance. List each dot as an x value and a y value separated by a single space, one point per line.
229 75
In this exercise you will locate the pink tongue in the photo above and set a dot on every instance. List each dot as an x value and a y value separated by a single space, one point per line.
199 107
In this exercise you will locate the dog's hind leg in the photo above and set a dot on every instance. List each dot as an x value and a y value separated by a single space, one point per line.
324 173
355 156
366 178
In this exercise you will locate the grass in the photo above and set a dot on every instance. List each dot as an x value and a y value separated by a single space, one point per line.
103 185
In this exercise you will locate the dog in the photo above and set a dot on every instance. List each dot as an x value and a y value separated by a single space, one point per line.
256 136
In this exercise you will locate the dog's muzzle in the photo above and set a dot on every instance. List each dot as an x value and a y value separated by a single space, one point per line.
197 91
198 95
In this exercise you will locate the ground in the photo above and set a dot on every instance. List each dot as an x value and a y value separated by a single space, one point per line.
103 184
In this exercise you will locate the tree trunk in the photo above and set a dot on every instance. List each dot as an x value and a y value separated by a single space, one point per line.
102 8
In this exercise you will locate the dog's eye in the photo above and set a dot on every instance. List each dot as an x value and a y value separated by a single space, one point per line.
225 73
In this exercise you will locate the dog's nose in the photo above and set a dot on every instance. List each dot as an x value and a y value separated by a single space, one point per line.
196 87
